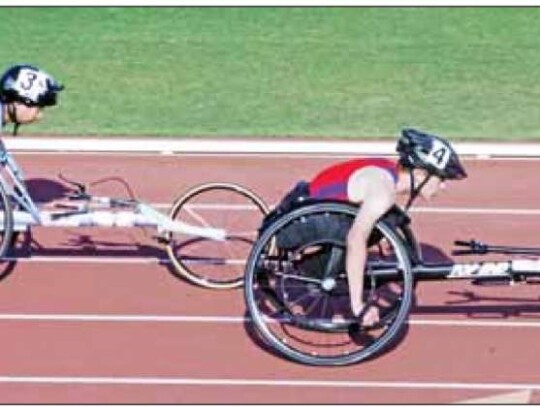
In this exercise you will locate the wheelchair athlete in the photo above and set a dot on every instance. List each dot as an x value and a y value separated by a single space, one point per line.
425 163
25 91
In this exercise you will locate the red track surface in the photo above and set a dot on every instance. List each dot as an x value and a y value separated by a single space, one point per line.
190 361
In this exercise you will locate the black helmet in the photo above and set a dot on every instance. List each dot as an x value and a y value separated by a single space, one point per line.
29 85
431 153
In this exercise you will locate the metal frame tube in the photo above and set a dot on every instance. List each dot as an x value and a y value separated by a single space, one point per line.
509 269
142 216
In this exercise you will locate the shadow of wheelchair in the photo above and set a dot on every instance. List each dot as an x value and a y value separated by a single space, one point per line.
198 253
361 337
474 304
44 190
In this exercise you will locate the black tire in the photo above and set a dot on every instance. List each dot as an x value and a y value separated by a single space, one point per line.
293 305
209 263
6 224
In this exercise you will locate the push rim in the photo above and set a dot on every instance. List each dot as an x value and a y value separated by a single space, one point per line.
337 343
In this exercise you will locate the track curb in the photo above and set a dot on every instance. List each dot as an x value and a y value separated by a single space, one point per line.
250 146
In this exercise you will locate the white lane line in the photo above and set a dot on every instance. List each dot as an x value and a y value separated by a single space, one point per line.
512 398
181 381
218 206
120 318
89 259
475 323
115 260
419 209
477 211
240 320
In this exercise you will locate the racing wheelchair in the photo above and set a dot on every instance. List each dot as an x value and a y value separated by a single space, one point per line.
296 288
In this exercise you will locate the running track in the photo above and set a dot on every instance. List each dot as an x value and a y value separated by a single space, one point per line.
104 322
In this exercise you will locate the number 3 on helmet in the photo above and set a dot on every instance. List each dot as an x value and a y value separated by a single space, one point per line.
29 85
431 153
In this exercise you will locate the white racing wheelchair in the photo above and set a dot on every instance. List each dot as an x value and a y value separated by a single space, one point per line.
207 233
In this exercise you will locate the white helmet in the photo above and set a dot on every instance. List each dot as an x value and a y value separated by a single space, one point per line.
434 154
29 85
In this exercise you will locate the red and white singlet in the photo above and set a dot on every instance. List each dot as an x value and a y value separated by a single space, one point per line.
331 183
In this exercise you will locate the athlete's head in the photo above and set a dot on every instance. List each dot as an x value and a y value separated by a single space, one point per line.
430 158
24 91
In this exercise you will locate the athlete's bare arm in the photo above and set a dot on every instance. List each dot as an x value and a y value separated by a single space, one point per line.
375 189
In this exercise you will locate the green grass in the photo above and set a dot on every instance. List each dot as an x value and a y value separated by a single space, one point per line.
341 72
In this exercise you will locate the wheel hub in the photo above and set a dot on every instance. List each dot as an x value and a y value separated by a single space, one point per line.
328 284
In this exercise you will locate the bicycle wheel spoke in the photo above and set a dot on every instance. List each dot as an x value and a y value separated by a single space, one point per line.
197 217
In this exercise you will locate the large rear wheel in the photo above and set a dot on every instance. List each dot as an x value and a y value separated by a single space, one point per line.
6 223
296 288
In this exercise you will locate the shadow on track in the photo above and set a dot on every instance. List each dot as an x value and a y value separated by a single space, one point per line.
471 303
467 302
44 190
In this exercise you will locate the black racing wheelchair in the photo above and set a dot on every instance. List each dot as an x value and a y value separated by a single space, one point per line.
296 285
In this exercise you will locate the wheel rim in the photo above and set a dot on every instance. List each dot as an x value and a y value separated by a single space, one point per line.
210 263
6 223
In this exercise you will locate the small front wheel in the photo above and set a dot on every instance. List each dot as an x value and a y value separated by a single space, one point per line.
210 263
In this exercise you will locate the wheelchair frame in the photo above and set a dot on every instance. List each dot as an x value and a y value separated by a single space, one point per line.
18 213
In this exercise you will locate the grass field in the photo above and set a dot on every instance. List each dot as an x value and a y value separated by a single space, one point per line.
339 72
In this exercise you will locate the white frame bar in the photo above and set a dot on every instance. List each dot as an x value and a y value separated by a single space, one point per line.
142 216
